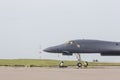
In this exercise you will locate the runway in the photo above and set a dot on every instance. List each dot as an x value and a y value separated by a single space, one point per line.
10 73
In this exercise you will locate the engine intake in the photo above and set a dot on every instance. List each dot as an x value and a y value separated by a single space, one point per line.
67 53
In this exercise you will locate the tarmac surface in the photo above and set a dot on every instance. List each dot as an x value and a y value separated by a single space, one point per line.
10 73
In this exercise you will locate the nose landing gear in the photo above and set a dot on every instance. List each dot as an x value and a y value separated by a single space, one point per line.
81 64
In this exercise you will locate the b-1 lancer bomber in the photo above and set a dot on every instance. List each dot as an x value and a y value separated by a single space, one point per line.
105 48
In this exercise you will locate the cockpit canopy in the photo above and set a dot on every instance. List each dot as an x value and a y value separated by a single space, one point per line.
73 43
70 42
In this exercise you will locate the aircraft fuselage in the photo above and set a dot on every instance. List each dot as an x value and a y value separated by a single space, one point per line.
105 48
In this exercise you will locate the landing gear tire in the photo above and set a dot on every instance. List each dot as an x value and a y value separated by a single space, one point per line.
61 64
85 64
79 65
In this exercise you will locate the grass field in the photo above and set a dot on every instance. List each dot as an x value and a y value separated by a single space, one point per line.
46 63
33 63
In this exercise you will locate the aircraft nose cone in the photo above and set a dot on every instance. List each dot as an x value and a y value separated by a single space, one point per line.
46 50
49 49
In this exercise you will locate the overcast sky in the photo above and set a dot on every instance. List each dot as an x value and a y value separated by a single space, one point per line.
25 25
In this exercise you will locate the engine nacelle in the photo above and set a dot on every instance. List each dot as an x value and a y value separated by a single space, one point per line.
110 54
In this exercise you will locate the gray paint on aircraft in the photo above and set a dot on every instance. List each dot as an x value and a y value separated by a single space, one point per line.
105 48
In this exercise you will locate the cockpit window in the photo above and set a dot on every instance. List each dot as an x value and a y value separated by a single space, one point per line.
70 42
73 43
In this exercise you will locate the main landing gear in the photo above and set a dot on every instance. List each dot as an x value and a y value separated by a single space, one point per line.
81 64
